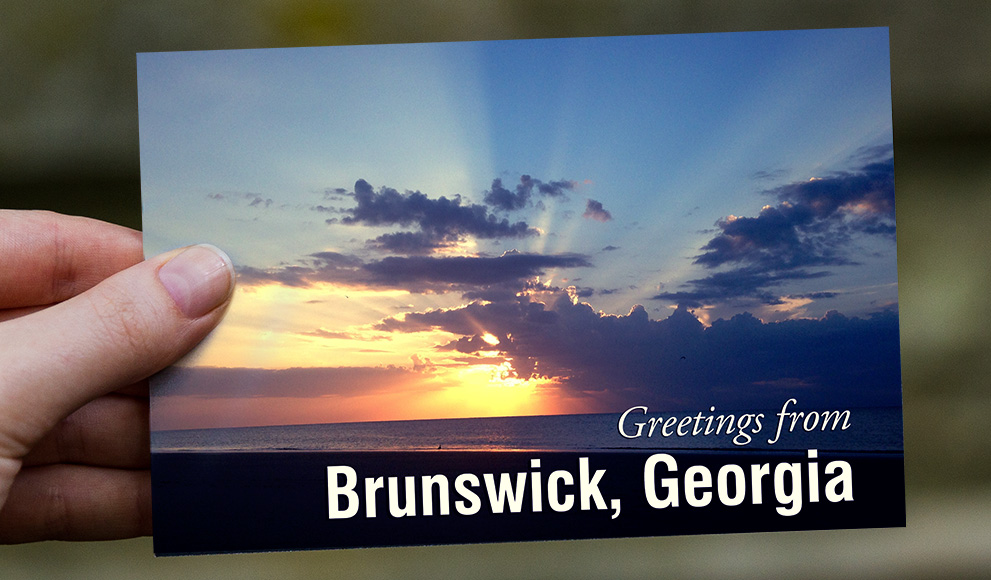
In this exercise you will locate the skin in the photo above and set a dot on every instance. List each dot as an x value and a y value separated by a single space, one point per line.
84 321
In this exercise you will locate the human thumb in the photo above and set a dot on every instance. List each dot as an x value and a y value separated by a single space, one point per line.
118 332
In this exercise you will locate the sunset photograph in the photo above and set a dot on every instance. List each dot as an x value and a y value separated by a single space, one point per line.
506 245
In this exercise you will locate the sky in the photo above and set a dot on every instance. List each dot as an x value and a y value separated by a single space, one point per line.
530 227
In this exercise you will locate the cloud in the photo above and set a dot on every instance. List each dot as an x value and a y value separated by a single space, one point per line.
503 199
752 282
333 334
411 243
815 295
607 362
776 238
864 194
250 199
423 274
216 383
813 225
676 362
319 267
508 290
768 175
469 271
335 194
595 211
441 222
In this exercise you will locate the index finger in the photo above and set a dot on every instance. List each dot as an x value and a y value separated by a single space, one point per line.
46 257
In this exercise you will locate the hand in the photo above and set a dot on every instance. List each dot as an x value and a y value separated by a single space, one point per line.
83 321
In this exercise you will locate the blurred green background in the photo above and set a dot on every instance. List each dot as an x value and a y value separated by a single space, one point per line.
69 142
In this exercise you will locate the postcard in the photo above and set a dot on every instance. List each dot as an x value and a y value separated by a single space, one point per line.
529 290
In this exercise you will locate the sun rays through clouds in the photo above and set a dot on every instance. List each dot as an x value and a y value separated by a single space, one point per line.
670 252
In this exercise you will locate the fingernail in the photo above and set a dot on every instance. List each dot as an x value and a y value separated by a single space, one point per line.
198 279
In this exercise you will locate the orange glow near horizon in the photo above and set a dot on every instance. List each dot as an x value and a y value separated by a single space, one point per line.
467 391
277 327
280 327
487 390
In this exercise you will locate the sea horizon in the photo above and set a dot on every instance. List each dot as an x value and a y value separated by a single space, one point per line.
867 429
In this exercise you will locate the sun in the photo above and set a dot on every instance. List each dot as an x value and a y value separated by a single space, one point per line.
494 390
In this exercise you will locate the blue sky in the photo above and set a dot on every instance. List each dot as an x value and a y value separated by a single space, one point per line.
726 173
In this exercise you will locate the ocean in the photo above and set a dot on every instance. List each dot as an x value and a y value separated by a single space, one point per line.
867 429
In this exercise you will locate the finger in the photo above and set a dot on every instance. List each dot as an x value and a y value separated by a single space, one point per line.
117 333
110 431
138 389
12 313
46 257
73 502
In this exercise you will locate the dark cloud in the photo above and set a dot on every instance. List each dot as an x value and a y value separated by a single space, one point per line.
812 226
507 291
468 345
555 188
677 362
583 292
440 221
752 283
410 243
503 199
867 192
612 362
291 276
472 275
497 318
462 271
816 295
319 267
779 238
595 211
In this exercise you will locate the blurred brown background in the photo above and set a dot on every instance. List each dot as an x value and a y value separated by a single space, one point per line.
68 142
